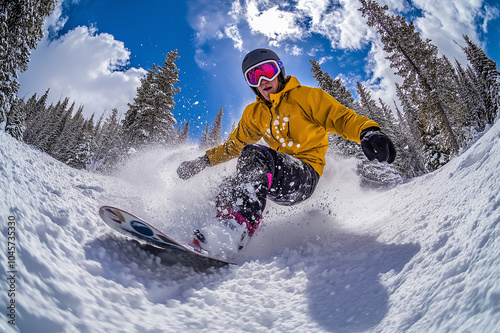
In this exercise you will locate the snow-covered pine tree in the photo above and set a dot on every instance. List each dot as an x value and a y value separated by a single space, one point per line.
16 119
183 134
53 125
487 77
36 129
66 146
60 145
409 161
128 129
150 118
453 101
166 78
368 106
35 110
411 124
21 28
135 131
215 135
98 131
469 90
204 144
84 152
332 86
106 150
425 77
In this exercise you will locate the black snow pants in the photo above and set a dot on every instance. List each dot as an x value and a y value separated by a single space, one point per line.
264 173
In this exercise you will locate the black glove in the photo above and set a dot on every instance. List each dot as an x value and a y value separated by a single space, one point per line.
376 144
190 168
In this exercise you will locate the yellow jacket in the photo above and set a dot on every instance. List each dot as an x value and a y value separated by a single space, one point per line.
297 123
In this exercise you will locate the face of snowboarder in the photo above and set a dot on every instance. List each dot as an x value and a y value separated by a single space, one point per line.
266 88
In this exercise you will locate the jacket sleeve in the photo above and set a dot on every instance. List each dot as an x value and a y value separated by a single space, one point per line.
336 118
244 134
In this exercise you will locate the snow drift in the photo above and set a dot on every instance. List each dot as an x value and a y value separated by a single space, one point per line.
422 257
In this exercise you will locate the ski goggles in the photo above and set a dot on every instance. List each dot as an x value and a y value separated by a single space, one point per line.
267 70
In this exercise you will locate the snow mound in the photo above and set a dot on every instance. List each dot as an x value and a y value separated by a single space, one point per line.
421 257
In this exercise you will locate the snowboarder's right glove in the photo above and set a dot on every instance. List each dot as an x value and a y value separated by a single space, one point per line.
376 144
190 168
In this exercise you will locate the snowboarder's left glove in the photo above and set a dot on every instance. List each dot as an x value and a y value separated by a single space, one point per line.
190 168
376 144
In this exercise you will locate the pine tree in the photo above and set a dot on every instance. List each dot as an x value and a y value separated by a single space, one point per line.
61 148
409 162
184 133
487 77
215 135
53 125
39 131
368 106
204 143
129 127
333 87
108 144
150 118
35 110
67 144
16 119
410 124
425 74
21 28
98 132
83 154
470 92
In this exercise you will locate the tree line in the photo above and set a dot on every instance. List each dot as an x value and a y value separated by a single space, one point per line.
441 107
62 131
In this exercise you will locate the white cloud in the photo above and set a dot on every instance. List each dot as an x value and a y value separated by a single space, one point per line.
489 13
445 23
274 23
294 50
382 78
86 67
232 32
55 22
322 60
339 22
315 50
213 21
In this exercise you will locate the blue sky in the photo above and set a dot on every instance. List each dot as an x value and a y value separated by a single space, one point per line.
97 51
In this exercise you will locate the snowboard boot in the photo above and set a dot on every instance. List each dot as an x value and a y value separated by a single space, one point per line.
231 233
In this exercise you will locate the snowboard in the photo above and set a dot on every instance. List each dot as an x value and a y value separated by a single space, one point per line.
144 232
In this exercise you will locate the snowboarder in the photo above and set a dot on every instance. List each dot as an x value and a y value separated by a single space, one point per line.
294 121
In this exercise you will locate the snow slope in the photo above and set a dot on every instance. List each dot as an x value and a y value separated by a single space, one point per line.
422 257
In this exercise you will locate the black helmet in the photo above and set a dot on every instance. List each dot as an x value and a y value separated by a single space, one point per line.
260 55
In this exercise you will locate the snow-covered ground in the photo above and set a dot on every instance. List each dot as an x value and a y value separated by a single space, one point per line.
422 257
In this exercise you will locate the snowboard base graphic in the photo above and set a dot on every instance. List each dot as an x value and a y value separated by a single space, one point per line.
144 232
